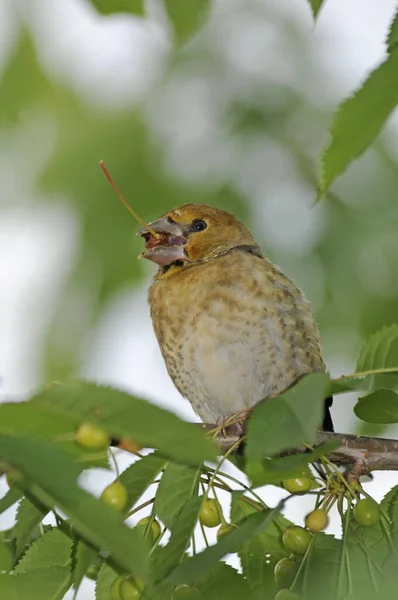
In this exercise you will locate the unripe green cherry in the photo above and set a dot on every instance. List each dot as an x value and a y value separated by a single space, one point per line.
185 592
284 573
287 595
367 512
296 539
153 531
317 520
115 495
115 587
225 529
130 589
298 485
91 437
209 515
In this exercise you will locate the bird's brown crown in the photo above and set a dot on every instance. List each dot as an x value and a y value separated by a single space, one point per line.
194 233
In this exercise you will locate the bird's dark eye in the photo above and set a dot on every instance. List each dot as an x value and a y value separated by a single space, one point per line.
198 225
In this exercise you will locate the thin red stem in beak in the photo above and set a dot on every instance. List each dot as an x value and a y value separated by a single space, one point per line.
126 204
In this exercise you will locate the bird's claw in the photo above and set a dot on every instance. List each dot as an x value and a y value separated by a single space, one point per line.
235 428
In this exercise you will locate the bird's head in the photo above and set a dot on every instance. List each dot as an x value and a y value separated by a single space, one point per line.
194 233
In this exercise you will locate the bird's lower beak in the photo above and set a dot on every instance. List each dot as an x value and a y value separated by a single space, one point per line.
168 246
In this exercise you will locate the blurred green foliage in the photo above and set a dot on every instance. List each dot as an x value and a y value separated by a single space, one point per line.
392 39
136 7
186 17
106 258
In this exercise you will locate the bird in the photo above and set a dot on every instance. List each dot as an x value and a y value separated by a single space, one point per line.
232 328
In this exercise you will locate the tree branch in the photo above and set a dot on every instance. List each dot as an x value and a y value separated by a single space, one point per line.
360 454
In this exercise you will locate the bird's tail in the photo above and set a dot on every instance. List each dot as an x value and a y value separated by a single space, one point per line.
327 424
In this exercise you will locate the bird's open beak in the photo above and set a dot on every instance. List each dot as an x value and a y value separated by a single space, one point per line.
166 248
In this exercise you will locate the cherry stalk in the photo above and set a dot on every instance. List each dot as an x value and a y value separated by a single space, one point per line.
126 204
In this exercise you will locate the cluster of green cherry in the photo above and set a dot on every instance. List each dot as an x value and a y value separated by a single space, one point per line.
296 540
127 587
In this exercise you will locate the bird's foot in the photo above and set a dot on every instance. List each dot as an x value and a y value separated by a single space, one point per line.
235 428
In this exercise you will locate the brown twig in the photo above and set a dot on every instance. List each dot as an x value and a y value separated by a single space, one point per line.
359 454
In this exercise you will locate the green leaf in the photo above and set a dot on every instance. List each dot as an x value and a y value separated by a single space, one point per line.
181 533
343 386
124 415
23 84
388 502
380 406
271 539
225 583
275 470
392 39
6 557
10 498
380 351
29 515
84 556
186 17
47 422
27 418
367 551
389 584
56 475
260 552
108 7
323 569
178 484
41 584
53 549
182 529
316 6
158 590
361 573
359 120
6 535
296 413
138 476
106 577
200 565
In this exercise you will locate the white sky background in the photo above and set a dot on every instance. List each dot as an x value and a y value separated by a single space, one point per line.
108 61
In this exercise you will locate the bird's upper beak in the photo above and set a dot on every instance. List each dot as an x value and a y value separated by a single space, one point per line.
168 246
